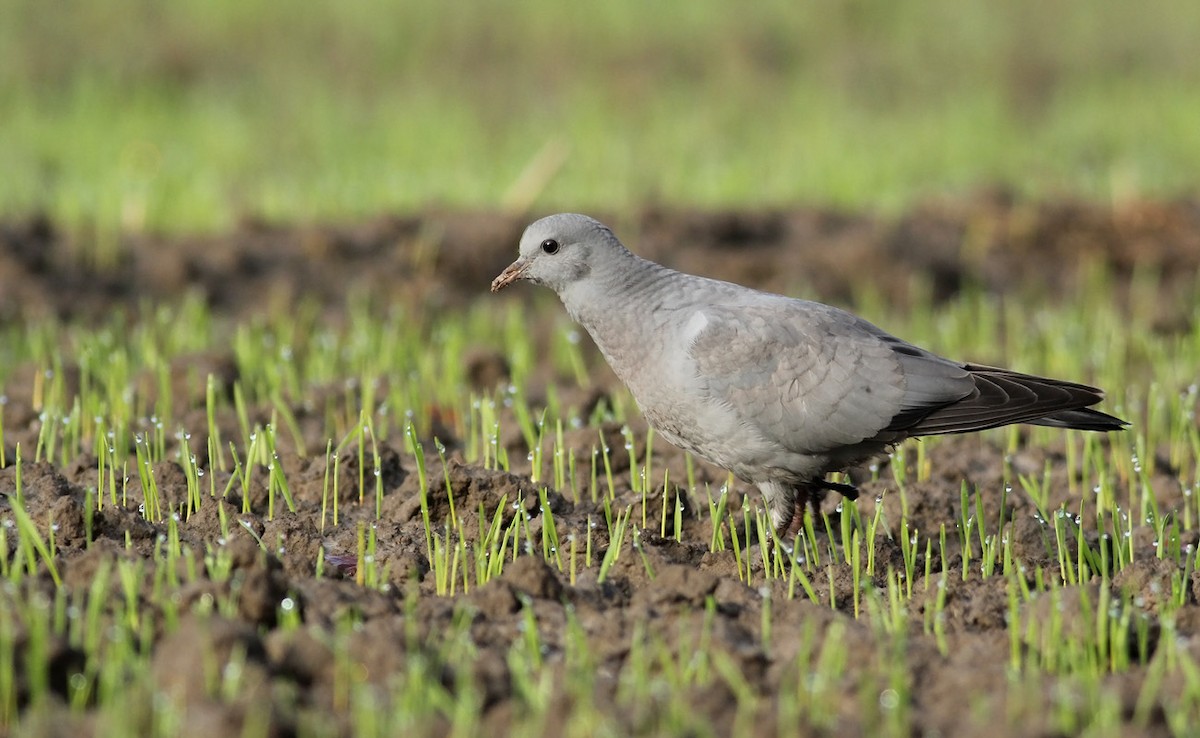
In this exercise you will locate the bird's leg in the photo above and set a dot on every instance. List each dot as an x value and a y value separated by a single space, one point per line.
795 524
810 495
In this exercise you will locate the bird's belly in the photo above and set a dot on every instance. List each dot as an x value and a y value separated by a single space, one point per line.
715 435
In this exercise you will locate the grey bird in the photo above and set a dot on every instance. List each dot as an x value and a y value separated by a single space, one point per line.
779 391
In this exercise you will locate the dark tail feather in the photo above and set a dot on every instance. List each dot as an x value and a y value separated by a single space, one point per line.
1086 419
1004 397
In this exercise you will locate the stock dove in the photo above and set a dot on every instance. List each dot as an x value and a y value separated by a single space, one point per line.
777 390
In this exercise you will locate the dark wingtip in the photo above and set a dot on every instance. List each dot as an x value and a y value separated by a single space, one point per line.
1004 397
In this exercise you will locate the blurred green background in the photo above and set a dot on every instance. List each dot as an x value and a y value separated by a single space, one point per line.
191 114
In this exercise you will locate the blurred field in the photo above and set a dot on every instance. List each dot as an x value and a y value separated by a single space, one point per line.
192 115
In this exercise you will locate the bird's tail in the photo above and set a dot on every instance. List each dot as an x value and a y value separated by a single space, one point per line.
1003 397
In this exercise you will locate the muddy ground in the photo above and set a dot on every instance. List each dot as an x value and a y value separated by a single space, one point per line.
439 261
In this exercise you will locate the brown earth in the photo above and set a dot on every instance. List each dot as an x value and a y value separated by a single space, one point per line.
439 262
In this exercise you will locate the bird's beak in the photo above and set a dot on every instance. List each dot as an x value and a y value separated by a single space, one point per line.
511 273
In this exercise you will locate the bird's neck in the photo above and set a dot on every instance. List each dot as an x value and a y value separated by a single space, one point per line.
620 303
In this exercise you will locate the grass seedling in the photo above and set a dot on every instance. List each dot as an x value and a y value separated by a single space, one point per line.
414 447
550 550
616 538
453 521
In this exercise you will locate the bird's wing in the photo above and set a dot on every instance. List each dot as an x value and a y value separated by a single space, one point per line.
814 378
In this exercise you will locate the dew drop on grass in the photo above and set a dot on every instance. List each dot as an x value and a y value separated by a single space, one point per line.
889 699
287 604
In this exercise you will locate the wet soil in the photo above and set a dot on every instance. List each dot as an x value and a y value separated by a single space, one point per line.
441 261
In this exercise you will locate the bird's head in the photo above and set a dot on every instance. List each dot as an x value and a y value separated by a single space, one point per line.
558 251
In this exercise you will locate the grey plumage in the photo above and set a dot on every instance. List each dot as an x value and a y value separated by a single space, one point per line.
779 391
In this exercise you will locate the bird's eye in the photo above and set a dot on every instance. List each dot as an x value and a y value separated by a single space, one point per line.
550 246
